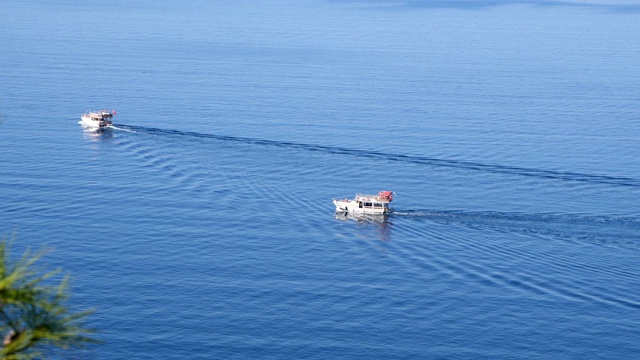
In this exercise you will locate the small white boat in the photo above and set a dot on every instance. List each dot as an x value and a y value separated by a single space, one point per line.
98 119
365 204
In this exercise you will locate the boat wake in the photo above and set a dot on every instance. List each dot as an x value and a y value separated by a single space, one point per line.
469 247
602 230
518 252
125 129
423 160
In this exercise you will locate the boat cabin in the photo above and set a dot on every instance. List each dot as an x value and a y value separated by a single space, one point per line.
98 118
372 205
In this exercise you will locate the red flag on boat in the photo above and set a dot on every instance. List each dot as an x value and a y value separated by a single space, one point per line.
113 111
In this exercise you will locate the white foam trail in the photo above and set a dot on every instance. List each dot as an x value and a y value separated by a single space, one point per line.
122 129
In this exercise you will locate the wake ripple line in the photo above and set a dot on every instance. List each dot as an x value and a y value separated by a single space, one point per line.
552 261
600 230
520 217
536 283
459 164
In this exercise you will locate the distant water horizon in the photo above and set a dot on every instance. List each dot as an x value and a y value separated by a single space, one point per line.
201 225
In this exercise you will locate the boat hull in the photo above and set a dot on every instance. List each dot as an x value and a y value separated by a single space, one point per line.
89 122
97 119
353 207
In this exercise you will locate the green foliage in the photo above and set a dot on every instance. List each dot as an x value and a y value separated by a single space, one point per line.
33 314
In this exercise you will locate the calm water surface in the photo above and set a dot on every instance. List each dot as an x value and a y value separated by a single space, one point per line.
201 226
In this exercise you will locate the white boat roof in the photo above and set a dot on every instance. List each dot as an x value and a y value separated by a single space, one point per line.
365 197
382 196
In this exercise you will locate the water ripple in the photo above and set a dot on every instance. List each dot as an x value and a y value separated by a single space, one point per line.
601 230
523 268
460 164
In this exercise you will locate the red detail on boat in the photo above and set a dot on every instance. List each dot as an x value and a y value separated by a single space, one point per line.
386 195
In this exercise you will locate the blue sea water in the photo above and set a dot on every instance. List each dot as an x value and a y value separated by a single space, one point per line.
201 226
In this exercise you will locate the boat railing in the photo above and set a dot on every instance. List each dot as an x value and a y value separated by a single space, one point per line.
99 113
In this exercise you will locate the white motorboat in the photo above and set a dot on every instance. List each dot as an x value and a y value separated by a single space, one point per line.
365 204
98 119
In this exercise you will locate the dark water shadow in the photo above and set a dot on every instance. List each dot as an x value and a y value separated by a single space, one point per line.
369 226
391 157
99 134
